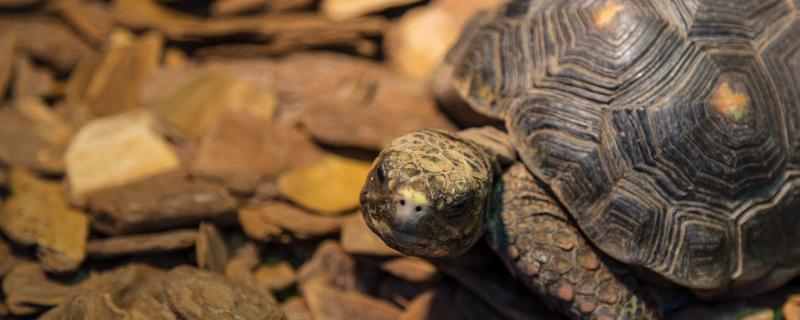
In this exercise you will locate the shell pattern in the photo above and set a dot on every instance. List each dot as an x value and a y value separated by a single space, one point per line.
668 129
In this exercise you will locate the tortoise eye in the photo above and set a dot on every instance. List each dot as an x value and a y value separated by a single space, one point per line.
457 210
381 174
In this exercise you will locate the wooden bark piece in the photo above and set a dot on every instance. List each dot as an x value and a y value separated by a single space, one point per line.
241 150
160 203
33 136
328 303
33 81
234 7
295 309
37 213
297 221
142 243
329 186
197 105
420 40
115 151
275 276
8 43
330 264
7 258
108 83
144 14
369 111
19 3
211 250
344 9
133 289
28 290
197 294
357 238
46 39
411 269
91 18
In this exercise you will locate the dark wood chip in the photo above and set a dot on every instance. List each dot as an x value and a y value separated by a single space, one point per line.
326 302
160 203
332 265
8 42
47 39
211 250
92 19
33 136
108 82
197 294
28 290
142 243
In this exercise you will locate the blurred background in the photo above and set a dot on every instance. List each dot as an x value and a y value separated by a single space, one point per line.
233 136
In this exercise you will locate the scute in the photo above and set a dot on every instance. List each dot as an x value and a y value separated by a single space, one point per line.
671 134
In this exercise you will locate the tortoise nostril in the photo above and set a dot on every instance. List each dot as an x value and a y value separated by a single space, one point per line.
402 202
418 209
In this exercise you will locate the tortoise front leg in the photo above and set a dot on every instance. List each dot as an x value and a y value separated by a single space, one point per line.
544 249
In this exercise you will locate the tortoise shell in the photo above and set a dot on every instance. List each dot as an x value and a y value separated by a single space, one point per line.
667 129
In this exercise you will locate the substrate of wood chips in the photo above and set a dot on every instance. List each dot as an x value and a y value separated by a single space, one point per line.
203 160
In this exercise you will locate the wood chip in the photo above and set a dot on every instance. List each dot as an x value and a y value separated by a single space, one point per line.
234 7
330 264
328 303
357 238
142 243
131 289
37 213
420 40
7 258
275 276
291 42
329 186
33 136
371 109
92 19
28 290
198 294
8 43
211 250
791 308
242 150
257 228
47 40
295 309
108 83
197 105
33 81
241 265
115 151
19 3
345 9
160 203
141 14
411 269
298 222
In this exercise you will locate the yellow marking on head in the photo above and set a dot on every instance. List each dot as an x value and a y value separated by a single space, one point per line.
607 14
730 102
419 198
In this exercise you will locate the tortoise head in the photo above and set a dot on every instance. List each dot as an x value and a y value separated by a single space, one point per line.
427 194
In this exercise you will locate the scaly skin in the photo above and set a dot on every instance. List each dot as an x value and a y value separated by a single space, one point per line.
452 180
545 250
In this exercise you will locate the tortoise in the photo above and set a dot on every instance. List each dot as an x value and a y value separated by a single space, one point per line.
642 143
